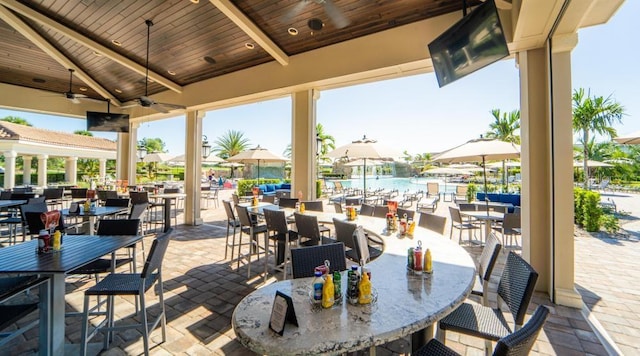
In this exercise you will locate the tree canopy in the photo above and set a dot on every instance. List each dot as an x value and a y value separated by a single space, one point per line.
505 126
16 120
153 145
230 144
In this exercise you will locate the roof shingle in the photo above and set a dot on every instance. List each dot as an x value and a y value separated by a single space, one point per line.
11 131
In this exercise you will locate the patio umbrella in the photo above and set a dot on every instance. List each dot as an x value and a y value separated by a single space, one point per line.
630 139
469 167
446 172
365 149
480 150
361 162
210 159
156 157
506 165
591 163
256 155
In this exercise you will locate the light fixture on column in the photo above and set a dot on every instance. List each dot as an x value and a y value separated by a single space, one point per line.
206 147
318 145
141 151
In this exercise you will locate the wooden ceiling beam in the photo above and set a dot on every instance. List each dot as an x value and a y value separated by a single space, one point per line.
87 42
10 18
245 24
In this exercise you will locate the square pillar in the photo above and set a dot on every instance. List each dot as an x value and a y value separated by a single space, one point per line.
42 170
103 169
303 144
26 170
192 167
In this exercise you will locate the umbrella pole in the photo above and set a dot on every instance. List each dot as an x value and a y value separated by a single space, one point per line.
486 193
365 181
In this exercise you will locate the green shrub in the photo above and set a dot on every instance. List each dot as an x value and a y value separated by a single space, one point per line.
578 199
318 189
245 185
472 189
610 223
591 211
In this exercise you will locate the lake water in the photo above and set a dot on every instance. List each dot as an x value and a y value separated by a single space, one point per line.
401 184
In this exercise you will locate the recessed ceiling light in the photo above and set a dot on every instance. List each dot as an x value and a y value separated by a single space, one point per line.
39 80
293 31
249 45
116 42
118 91
315 24
209 60
195 1
83 89
97 54
171 72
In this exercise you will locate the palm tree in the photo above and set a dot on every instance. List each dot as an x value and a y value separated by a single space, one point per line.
230 144
504 126
83 133
594 114
327 142
287 151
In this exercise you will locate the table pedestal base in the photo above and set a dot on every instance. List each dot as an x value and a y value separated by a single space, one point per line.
421 337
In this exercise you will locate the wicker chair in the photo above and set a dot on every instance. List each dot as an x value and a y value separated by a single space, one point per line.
516 287
380 211
410 213
232 221
458 223
279 232
366 210
253 229
316 205
518 343
488 258
287 202
132 284
433 222
305 259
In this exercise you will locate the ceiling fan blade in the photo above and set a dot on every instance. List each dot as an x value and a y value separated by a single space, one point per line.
335 14
295 11
159 108
173 106
75 100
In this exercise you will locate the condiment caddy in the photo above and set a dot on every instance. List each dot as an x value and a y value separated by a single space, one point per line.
326 287
419 261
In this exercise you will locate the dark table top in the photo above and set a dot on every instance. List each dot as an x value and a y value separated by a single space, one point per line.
100 211
10 203
77 250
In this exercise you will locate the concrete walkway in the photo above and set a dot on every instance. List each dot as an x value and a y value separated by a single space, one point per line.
202 289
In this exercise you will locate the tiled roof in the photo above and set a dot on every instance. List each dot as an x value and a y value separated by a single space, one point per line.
11 131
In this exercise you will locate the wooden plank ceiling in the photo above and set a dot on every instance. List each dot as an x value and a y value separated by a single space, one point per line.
190 40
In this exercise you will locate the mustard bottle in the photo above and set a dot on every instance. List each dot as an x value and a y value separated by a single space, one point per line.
428 262
328 292
302 208
255 200
56 240
412 227
364 287
87 206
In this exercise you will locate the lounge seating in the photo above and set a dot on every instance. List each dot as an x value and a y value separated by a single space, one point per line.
272 189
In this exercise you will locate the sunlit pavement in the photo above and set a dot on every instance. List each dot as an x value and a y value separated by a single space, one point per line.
202 289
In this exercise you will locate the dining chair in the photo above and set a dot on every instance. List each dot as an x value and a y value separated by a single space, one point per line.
54 197
137 211
338 208
176 204
103 195
515 289
486 262
151 216
461 192
118 202
350 201
409 213
236 198
31 208
308 228
433 222
517 343
129 284
366 210
344 234
281 235
509 226
232 222
380 211
11 311
253 229
269 199
287 202
317 205
305 259
458 223
78 194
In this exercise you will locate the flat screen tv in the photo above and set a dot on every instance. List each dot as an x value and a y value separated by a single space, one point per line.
109 122
474 42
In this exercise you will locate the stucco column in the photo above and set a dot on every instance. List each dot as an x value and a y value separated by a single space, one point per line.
303 144
9 169
26 170
71 170
42 170
126 157
547 176
103 169
192 167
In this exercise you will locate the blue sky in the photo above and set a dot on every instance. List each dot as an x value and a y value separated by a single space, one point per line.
412 113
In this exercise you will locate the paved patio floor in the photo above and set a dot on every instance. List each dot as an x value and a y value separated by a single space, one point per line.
202 289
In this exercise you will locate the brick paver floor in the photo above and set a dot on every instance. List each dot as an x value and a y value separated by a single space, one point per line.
202 289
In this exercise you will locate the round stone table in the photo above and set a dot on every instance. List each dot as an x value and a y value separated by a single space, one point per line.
406 303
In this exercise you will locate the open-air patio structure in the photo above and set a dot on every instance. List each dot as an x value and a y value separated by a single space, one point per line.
244 54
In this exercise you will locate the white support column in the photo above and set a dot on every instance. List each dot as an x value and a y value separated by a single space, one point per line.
192 167
303 144
42 170
10 169
71 170
103 169
26 170
122 156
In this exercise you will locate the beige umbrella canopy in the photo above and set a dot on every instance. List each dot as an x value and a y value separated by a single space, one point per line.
480 150
630 139
256 155
365 149
210 159
361 162
591 163
156 157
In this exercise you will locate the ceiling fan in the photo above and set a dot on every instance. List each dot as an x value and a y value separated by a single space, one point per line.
73 97
335 14
145 101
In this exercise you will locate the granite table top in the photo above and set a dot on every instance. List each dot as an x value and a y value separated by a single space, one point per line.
405 302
